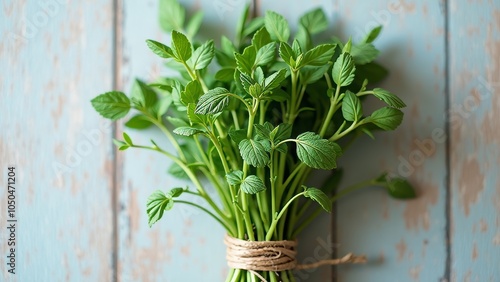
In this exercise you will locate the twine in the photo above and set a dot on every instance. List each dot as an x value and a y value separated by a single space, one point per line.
273 256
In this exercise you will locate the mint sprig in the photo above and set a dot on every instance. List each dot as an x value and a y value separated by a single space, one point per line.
255 116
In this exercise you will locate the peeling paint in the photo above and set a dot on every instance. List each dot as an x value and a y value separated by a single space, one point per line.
416 212
401 247
471 184
474 252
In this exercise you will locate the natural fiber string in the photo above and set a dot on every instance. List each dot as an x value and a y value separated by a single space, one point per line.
273 256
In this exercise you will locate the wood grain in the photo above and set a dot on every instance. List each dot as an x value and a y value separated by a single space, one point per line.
186 245
474 122
55 57
404 240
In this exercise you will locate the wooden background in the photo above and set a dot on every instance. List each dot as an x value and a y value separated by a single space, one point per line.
81 205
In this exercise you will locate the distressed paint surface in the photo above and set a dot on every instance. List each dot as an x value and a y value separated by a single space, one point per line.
65 162
187 245
474 122
54 59
404 240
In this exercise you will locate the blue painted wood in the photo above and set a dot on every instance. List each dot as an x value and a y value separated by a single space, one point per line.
404 241
475 156
55 57
186 245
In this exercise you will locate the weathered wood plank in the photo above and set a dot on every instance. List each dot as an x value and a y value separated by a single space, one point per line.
186 245
55 57
474 122
404 241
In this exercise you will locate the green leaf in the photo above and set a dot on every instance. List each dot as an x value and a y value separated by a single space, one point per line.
351 107
172 15
144 94
281 132
297 49
314 21
347 47
123 148
187 131
194 24
367 131
202 56
246 81
259 75
176 171
245 61
191 93
193 117
238 135
118 143
278 95
227 45
127 139
253 152
309 75
212 102
240 26
320 197
177 122
261 38
252 185
181 46
389 98
364 53
400 188
176 192
225 75
274 80
156 205
343 70
160 49
277 26
263 131
265 54
255 90
372 35
235 177
161 86
372 71
386 118
315 151
112 105
318 56
253 26
287 54
302 39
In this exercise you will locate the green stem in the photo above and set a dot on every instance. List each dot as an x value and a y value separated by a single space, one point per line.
301 96
353 126
191 176
270 232
235 120
334 198
169 135
331 111
294 98
228 228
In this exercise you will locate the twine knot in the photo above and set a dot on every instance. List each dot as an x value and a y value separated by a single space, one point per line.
273 256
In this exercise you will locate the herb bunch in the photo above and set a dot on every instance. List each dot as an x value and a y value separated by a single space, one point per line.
254 117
